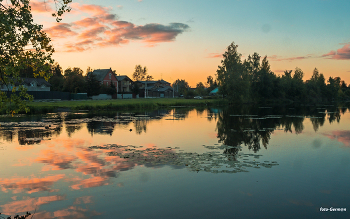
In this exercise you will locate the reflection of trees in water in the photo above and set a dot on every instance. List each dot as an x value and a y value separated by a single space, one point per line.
71 128
100 127
7 135
29 128
141 125
253 126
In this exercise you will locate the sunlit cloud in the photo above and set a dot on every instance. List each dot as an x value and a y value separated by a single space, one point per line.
341 54
277 58
103 29
40 6
214 55
60 30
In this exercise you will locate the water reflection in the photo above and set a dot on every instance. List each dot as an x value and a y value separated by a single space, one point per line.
72 163
253 126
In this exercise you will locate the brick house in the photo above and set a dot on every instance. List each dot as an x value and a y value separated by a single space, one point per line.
106 76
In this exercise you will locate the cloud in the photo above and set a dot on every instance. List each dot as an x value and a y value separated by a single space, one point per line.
276 58
120 6
105 29
60 30
214 55
341 54
40 7
92 9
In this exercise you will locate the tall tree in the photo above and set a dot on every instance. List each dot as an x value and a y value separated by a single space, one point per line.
140 74
93 86
74 80
232 76
180 86
57 78
23 44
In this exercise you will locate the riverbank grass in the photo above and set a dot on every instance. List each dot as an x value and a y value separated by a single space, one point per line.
118 104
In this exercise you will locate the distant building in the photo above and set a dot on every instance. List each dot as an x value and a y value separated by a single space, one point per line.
158 88
32 84
124 83
106 76
214 92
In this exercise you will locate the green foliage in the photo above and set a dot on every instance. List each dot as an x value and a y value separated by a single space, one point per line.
200 89
24 50
74 81
181 86
232 77
92 85
140 74
252 80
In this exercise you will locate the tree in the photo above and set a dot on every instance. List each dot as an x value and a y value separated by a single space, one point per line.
93 86
74 80
140 74
57 79
200 89
232 76
23 44
180 86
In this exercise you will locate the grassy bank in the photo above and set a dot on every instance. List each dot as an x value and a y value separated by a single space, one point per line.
118 104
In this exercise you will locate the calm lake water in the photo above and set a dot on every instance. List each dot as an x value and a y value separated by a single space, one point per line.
252 162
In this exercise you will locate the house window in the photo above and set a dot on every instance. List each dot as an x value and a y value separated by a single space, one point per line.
110 76
107 83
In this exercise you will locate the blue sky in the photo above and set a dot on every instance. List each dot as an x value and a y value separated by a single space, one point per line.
291 33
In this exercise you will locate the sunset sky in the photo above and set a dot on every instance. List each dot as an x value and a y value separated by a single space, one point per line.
185 38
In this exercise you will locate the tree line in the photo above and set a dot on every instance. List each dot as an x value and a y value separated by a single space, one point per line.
72 80
252 80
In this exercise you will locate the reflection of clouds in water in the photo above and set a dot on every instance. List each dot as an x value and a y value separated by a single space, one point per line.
341 136
28 204
29 185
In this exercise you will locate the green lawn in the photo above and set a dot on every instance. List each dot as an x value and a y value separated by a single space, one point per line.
118 104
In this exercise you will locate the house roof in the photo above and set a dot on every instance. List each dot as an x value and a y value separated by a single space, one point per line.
165 88
153 82
214 91
28 81
122 77
100 74
39 81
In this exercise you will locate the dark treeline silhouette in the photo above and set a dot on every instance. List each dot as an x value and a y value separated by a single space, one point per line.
71 80
252 80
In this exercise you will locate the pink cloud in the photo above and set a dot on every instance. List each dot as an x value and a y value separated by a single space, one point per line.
276 58
341 54
214 55
40 7
104 29
94 9
60 30
92 33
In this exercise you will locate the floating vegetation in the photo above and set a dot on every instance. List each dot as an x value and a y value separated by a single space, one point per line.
213 161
